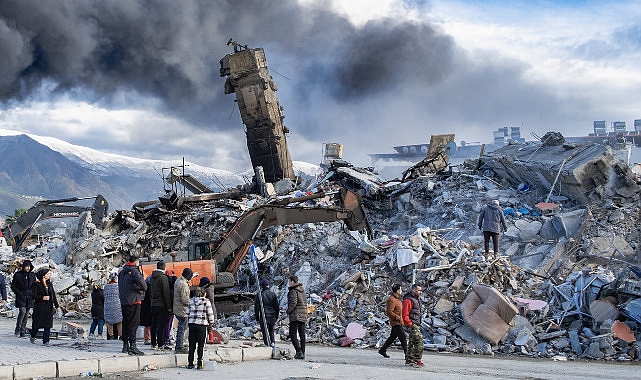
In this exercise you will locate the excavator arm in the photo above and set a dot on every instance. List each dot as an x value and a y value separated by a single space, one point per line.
19 230
230 250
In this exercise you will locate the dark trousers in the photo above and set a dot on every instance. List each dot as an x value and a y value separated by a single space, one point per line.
495 241
196 337
397 332
97 322
271 321
46 334
21 321
130 322
159 318
297 327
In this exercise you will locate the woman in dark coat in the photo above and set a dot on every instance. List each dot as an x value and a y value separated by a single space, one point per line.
145 312
97 310
45 304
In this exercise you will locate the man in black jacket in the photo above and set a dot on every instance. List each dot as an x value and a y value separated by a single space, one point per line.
21 287
161 307
132 287
271 307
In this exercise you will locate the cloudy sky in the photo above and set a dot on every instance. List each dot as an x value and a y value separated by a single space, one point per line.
141 78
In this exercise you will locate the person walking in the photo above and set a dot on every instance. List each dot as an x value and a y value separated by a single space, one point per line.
394 311
412 315
181 302
131 287
112 308
200 315
97 311
21 288
161 307
297 313
271 307
491 222
45 305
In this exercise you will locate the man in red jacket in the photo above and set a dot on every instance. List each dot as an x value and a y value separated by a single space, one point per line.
412 315
394 310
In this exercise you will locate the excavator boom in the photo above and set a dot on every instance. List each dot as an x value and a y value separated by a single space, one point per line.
232 247
19 230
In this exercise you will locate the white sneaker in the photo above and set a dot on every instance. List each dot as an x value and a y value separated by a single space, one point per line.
91 336
100 337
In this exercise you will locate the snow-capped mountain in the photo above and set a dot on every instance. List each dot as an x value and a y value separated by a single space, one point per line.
41 167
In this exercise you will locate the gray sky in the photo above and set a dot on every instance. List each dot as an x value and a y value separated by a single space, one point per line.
141 78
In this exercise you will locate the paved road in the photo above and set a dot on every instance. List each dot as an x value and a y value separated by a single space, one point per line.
341 363
326 363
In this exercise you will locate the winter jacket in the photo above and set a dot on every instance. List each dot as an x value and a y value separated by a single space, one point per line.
181 297
98 303
131 285
491 219
209 293
21 285
297 303
270 304
43 309
394 310
412 310
160 296
112 309
200 312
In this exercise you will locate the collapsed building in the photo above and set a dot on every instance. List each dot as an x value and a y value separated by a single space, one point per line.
566 280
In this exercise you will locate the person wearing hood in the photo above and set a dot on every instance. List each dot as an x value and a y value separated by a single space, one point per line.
45 305
97 311
112 308
200 315
492 222
297 313
271 307
131 289
161 307
181 302
21 287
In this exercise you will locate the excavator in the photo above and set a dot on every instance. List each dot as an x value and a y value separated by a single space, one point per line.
220 260
17 232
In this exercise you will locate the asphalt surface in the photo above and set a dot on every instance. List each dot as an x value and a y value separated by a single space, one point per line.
321 363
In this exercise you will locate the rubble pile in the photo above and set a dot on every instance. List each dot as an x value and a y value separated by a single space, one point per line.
565 273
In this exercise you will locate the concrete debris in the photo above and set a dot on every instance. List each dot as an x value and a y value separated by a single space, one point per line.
564 284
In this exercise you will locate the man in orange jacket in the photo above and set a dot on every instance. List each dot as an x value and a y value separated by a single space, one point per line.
394 310
412 315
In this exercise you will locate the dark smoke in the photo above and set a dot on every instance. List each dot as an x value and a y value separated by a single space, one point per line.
170 50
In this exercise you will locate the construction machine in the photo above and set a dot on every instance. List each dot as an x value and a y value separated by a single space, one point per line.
17 232
220 260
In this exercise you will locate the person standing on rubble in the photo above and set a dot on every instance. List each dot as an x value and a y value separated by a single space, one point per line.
181 301
112 308
161 307
297 313
45 305
21 287
271 307
492 222
132 287
412 315
394 311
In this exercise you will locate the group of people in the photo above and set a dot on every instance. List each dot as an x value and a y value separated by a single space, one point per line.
167 297
32 291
